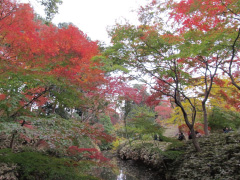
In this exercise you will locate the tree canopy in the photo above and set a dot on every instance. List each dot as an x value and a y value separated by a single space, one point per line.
182 47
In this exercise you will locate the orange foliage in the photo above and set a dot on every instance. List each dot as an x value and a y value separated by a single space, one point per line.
64 53
31 47
2 97
197 127
203 15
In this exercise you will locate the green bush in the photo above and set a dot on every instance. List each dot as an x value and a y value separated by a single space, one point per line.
35 165
173 155
175 144
140 123
220 118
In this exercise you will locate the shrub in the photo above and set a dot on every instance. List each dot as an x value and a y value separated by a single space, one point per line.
220 118
34 165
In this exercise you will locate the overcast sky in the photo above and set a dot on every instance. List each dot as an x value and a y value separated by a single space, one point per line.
94 16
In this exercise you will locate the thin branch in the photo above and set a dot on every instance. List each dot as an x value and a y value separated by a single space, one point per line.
32 100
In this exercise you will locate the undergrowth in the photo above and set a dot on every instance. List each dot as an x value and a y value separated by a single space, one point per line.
35 165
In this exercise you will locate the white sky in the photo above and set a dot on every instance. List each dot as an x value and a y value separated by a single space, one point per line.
94 16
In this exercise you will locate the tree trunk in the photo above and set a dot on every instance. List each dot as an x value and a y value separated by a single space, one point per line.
125 126
205 119
12 139
191 128
127 109
195 141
